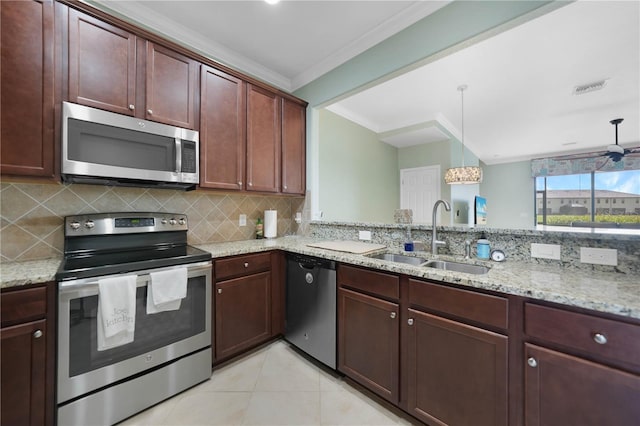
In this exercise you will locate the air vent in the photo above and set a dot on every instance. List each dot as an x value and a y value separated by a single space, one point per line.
590 87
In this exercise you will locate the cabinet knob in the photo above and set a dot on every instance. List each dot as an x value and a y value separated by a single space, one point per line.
410 321
250 184
150 111
132 107
532 362
37 334
246 264
285 187
392 315
239 183
600 339
219 291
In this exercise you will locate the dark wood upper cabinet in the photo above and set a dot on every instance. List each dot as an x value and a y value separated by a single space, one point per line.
27 92
456 373
561 389
263 140
114 70
222 130
171 87
293 147
102 64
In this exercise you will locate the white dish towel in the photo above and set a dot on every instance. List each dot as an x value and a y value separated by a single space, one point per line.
116 311
166 290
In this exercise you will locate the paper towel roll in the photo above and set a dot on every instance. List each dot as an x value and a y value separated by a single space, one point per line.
270 223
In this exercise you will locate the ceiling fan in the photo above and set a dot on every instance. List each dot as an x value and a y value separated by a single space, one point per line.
614 151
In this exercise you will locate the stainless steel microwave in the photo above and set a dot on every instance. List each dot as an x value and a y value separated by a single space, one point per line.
102 147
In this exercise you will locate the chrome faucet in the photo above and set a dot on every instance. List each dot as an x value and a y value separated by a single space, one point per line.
434 240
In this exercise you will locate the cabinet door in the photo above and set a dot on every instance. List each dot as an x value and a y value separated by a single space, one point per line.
263 140
562 389
23 352
102 64
243 313
222 130
368 342
26 74
171 87
457 374
293 147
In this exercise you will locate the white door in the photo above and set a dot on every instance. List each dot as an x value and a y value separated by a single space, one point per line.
419 191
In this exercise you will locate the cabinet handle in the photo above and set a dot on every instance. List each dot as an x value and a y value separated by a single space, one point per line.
393 315
532 362
219 291
246 264
150 111
410 321
132 107
37 334
600 339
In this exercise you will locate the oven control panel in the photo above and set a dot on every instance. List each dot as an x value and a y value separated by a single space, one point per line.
124 223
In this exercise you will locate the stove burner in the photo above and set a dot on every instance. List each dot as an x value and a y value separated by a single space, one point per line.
124 242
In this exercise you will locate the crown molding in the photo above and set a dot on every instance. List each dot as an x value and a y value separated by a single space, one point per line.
143 16
386 29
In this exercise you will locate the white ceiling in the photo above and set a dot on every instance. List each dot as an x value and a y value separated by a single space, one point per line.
519 103
287 44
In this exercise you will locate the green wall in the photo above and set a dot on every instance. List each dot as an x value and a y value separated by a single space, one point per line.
508 189
359 177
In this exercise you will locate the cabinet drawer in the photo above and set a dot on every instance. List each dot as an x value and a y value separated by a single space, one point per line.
23 305
478 307
614 340
242 265
378 283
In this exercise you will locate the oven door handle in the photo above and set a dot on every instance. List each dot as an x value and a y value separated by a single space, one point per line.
90 287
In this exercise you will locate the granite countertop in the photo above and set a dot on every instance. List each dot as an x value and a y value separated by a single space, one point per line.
607 292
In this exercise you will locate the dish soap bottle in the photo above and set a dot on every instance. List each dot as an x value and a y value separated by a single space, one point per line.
259 229
483 247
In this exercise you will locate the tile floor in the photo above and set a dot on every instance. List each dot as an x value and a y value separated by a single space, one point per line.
272 386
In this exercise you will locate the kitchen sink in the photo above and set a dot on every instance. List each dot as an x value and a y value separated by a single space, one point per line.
457 267
411 260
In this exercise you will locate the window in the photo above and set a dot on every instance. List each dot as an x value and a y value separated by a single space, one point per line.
586 191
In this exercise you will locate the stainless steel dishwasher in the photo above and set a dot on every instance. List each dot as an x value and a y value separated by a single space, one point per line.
311 307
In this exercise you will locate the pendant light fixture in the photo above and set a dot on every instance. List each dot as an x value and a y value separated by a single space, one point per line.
463 175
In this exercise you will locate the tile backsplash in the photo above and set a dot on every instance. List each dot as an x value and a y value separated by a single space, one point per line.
32 215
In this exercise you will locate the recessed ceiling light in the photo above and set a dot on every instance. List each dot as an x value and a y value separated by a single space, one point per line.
272 1
569 143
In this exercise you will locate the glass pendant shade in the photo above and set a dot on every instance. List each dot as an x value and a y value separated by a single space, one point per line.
463 175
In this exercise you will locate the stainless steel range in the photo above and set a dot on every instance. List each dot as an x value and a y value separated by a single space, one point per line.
163 349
